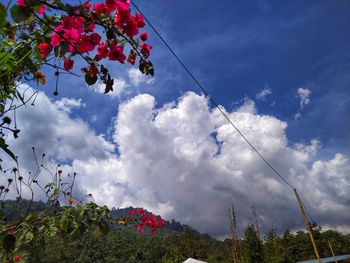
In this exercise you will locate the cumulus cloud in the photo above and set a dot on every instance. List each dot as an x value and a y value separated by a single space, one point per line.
183 161
263 93
137 78
119 86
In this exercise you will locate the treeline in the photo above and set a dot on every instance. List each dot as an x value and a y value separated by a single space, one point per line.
291 247
175 243
129 246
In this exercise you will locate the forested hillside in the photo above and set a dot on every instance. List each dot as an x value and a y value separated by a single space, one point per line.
177 242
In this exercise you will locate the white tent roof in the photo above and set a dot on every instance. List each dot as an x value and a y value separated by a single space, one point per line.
191 260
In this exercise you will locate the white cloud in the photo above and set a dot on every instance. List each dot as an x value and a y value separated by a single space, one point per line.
67 104
137 78
119 86
184 161
263 93
304 96
51 130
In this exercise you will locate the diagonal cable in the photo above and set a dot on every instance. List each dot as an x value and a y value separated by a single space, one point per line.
210 98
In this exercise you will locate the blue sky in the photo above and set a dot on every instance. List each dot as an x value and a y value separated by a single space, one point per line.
236 48
155 135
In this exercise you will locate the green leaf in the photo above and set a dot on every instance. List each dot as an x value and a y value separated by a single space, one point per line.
62 49
3 15
109 84
4 146
20 13
150 68
90 78
28 237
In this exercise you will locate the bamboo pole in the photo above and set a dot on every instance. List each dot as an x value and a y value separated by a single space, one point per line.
307 226
330 246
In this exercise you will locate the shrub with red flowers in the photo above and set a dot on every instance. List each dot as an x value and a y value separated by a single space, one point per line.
147 220
48 33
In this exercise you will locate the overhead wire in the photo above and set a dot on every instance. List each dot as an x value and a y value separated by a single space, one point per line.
205 92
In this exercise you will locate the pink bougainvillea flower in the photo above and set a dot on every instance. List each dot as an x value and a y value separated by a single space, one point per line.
144 36
87 5
85 45
41 10
145 49
21 2
132 57
100 8
135 211
68 64
139 20
18 258
90 27
44 49
111 5
123 9
102 50
116 53
70 22
72 37
55 40
95 38
131 28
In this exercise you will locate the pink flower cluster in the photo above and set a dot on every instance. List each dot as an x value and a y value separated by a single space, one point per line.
147 220
77 32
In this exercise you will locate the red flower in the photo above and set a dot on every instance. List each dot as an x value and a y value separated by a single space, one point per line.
111 5
90 27
70 22
85 44
18 258
87 5
68 64
95 38
131 28
21 2
116 53
55 40
132 57
144 36
135 211
41 10
145 49
44 49
139 20
102 50
100 8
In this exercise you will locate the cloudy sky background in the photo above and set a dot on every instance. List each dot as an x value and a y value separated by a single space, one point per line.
281 73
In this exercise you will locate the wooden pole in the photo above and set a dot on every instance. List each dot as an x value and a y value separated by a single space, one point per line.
307 226
256 221
330 246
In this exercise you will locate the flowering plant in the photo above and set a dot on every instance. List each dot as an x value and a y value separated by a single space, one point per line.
50 33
